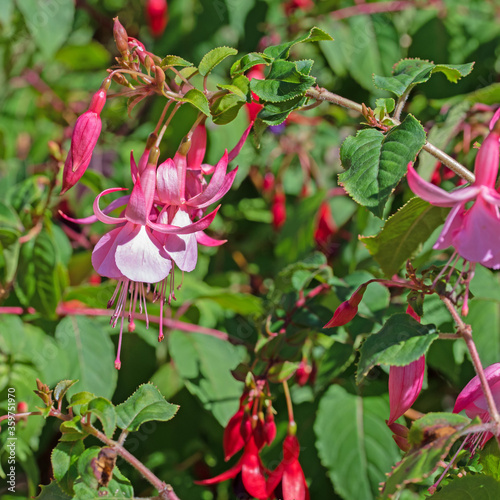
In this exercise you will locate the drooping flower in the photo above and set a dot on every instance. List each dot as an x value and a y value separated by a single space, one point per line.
405 382
289 473
474 232
253 472
132 252
471 400
278 210
325 226
84 139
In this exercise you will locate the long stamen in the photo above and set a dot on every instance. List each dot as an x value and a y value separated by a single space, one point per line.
118 363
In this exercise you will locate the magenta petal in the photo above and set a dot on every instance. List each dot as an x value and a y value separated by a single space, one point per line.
215 185
103 256
198 147
405 383
140 257
205 240
199 225
472 394
100 214
236 150
478 240
452 224
167 182
486 164
136 209
226 185
134 171
435 195
293 483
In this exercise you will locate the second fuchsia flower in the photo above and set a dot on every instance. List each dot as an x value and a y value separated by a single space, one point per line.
474 232
471 400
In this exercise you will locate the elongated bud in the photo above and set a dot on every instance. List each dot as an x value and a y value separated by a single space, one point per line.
303 372
84 139
279 210
268 182
159 77
121 38
120 79
347 310
269 426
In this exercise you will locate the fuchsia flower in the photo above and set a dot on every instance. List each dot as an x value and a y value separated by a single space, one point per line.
471 400
157 14
253 472
405 383
84 139
474 232
289 473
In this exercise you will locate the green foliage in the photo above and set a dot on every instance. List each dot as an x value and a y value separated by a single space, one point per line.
375 163
145 405
403 234
357 459
410 72
214 58
400 341
478 487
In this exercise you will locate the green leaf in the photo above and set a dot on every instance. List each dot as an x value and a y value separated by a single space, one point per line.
9 218
375 163
81 398
249 61
400 341
285 80
90 354
71 430
211 59
403 233
10 248
64 458
353 442
470 487
49 24
225 109
410 72
145 404
280 372
174 61
105 412
52 491
431 437
484 318
282 51
205 363
489 458
187 73
197 99
61 388
240 86
276 113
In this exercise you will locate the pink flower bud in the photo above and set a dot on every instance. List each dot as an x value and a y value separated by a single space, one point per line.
121 37
347 310
268 182
85 134
325 227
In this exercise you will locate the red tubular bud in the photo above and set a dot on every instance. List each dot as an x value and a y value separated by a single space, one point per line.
303 372
268 183
279 210
347 310
157 14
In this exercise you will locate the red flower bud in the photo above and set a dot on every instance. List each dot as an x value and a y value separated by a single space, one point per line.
85 134
121 37
326 227
279 210
157 14
347 310
233 441
269 426
303 372
268 183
